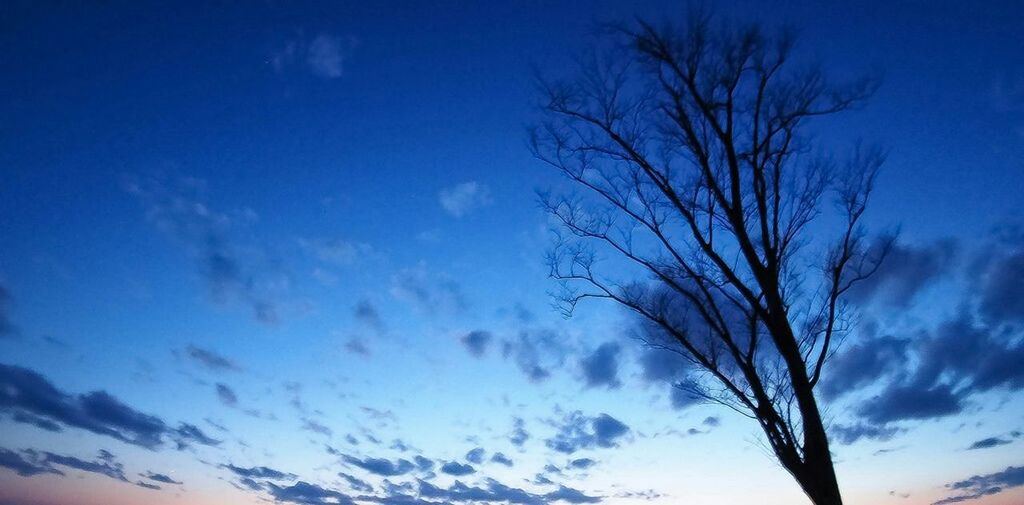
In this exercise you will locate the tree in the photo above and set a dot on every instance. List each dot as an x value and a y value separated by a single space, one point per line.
691 147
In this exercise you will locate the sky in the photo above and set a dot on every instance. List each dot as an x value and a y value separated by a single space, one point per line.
292 252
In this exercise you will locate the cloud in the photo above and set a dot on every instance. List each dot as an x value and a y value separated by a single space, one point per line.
475 455
461 199
501 459
226 395
25 463
955 362
428 292
356 484
863 364
305 493
315 427
1000 284
582 463
477 342
381 466
601 368
988 443
23 391
159 477
985 485
661 365
367 314
232 271
536 352
210 359
106 465
519 435
259 472
324 55
496 492
904 273
335 251
580 432
457 469
848 434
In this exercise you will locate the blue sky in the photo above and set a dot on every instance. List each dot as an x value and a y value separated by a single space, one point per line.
305 237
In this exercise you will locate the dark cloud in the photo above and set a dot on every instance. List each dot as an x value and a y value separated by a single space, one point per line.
210 359
1000 281
582 463
226 395
496 492
104 466
457 469
988 443
863 364
305 493
501 459
25 463
601 367
424 464
570 495
475 455
662 365
231 271
23 391
682 397
904 273
259 472
147 485
356 484
899 403
536 352
477 342
957 361
848 434
519 434
381 466
984 485
159 477
580 432
711 421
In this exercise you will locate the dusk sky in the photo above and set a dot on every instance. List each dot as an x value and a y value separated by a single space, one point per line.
292 252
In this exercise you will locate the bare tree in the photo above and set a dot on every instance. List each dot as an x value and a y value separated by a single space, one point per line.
700 179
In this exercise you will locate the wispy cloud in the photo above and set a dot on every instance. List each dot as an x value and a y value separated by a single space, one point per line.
461 199
323 55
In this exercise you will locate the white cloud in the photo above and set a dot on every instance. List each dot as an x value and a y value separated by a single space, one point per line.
323 56
461 199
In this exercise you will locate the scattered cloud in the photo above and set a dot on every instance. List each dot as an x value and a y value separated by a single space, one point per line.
461 199
25 392
988 443
601 368
380 466
457 469
428 292
231 270
226 395
210 359
477 342
984 485
578 432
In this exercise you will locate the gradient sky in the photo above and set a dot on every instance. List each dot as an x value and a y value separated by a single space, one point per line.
291 251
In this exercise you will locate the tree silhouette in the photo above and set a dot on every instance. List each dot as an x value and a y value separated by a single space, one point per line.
700 180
